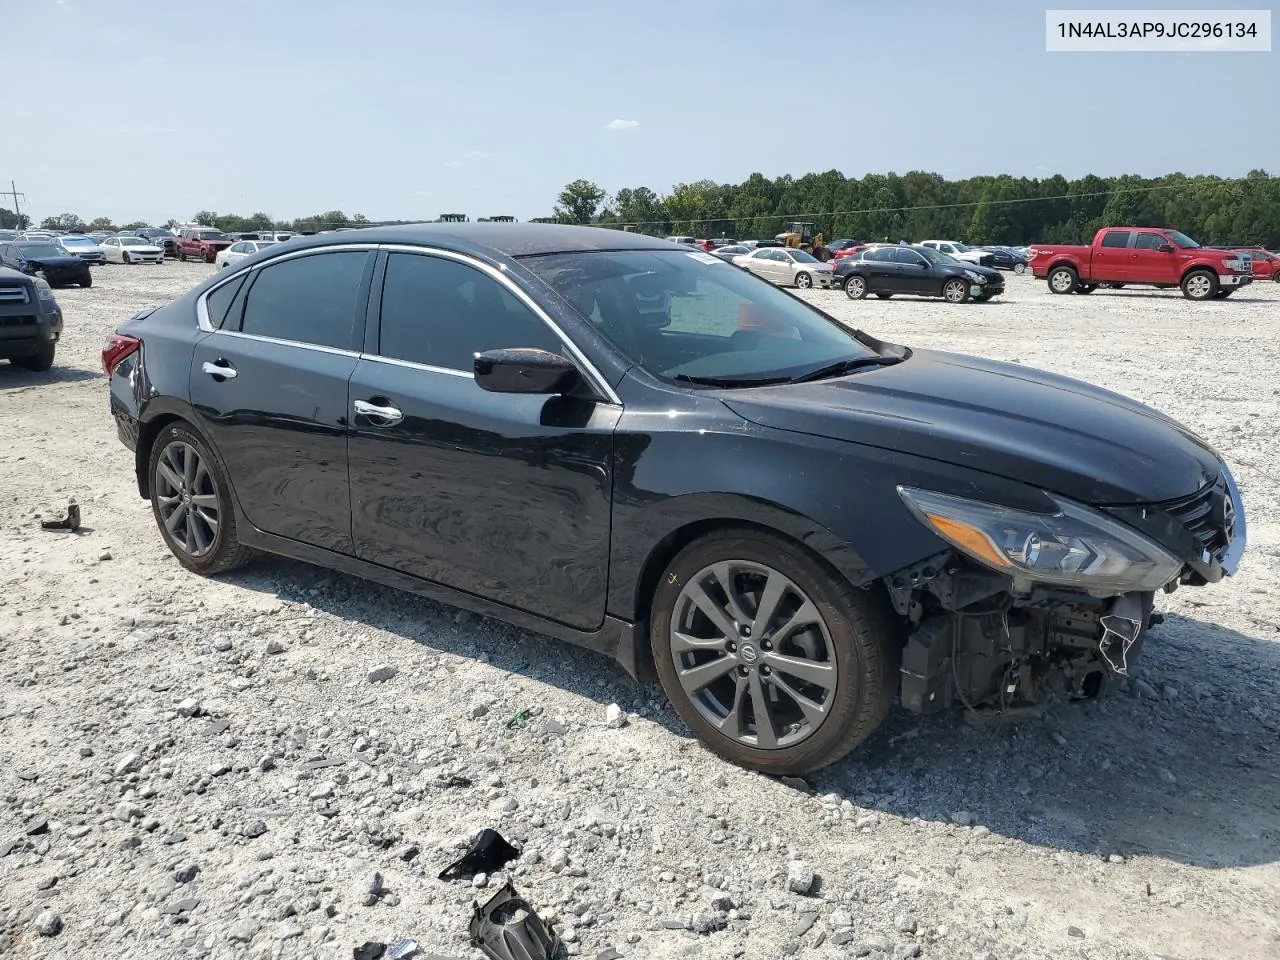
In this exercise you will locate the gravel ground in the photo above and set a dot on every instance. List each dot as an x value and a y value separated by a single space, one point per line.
194 768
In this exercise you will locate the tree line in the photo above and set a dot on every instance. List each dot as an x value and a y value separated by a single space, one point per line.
911 206
917 205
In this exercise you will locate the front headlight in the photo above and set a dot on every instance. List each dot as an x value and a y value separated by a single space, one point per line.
975 277
45 293
1076 546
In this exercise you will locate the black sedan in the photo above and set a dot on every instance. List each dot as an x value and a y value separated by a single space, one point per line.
48 259
1002 258
632 446
920 271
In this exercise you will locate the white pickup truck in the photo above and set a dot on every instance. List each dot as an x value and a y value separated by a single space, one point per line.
958 250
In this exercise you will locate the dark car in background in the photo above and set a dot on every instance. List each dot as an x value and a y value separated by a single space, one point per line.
919 271
629 445
728 253
160 237
1003 258
48 259
30 321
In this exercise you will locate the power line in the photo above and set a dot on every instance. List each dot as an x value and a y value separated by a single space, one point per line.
930 206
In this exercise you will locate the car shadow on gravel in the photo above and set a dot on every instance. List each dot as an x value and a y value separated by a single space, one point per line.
14 377
1191 775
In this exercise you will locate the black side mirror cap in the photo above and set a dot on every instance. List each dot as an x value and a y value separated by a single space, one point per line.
525 370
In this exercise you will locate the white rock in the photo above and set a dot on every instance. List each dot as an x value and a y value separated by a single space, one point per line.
799 876
614 718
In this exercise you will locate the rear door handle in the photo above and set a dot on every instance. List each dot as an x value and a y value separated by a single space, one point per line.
219 369
388 415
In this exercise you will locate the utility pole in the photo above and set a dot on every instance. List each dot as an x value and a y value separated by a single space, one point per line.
13 192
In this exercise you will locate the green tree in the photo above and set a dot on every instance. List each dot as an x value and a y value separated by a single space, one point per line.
12 221
206 218
63 221
101 223
579 202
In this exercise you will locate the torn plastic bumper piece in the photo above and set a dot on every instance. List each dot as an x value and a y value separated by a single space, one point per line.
1121 627
507 928
488 854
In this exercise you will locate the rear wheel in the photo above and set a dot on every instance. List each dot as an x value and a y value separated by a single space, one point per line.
773 662
955 290
191 501
1019 268
1200 285
803 280
1063 279
36 362
855 287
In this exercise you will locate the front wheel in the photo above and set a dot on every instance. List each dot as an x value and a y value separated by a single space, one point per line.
955 291
772 661
1200 285
191 501
855 287
1019 268
1063 279
182 256
36 362
125 258
87 281
803 280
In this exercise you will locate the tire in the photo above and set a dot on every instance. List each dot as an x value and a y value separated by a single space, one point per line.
36 362
803 281
848 639
125 258
1019 268
1276 276
855 287
884 296
955 290
1200 285
1063 280
208 545
182 255
87 282
1086 288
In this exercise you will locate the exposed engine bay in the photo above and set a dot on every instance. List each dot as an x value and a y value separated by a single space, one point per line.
972 641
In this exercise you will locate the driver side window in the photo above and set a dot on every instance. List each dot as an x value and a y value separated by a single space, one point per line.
1149 241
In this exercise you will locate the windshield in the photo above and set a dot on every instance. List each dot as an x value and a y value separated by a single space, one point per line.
1182 240
801 257
936 257
960 248
39 251
211 235
77 242
693 317
134 242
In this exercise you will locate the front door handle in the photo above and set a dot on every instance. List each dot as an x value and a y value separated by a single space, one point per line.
219 369
387 414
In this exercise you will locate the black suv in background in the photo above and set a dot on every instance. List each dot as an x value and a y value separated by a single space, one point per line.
30 320
919 271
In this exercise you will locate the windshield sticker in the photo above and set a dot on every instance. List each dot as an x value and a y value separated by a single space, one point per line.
704 258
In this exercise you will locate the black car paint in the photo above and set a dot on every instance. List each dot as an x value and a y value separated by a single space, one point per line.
919 280
582 501
58 270
28 325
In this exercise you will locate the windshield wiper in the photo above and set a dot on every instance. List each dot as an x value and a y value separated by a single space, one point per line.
841 367
731 382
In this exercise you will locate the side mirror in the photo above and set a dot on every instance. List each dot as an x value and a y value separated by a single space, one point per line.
525 370
1165 248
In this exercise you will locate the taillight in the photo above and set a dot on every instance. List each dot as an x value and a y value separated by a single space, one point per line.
116 349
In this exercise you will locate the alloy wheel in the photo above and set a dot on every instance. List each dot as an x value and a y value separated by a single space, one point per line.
804 281
753 654
1198 287
856 288
954 291
187 499
1062 281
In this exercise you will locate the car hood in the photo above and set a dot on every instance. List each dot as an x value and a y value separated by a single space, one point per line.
53 263
1039 428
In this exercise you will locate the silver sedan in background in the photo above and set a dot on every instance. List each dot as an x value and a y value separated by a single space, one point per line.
790 268
238 251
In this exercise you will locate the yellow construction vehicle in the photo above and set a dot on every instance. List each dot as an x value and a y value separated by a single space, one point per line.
802 236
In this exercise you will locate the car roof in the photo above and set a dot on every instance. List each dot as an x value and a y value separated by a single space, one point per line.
505 239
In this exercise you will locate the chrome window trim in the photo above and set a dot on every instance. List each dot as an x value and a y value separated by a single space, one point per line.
202 311
317 347
429 368
600 384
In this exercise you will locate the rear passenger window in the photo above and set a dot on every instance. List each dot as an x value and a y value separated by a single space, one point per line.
1116 238
307 299
220 300
442 313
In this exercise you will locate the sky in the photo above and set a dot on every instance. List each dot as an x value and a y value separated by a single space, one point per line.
404 109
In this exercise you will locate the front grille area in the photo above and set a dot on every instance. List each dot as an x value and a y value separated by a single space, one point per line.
14 293
1202 515
21 321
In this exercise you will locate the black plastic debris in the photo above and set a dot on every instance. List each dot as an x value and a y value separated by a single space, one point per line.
488 854
403 949
70 522
508 928
369 950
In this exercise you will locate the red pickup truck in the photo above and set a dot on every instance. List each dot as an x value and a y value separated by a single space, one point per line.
202 243
1146 256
